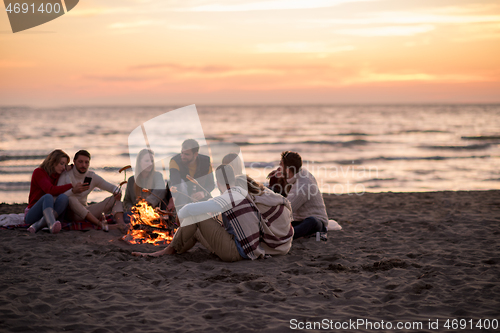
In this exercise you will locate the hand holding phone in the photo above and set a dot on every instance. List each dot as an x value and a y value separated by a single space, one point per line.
87 180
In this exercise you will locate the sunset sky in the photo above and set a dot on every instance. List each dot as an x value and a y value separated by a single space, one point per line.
256 52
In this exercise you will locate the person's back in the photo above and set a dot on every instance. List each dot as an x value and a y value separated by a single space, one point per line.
308 206
306 198
276 218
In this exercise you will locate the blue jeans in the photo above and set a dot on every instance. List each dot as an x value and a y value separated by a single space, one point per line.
308 226
47 201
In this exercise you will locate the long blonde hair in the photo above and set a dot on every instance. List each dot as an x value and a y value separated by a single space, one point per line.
52 160
146 180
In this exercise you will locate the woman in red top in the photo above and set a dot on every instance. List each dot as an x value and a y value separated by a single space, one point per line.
46 200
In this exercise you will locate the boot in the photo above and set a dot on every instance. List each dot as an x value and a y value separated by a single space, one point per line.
37 226
54 226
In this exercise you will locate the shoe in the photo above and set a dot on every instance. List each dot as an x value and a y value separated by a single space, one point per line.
54 226
37 226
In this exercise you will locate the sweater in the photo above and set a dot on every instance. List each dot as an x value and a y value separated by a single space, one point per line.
42 183
73 177
203 174
159 190
305 197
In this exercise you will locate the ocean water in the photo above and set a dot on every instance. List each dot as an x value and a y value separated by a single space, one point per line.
349 148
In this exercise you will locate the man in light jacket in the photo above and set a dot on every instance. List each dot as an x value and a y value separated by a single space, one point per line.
309 211
79 208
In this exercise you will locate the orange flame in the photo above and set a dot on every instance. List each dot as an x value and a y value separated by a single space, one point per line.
143 214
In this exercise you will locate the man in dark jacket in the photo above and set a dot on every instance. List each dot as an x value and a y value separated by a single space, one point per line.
190 163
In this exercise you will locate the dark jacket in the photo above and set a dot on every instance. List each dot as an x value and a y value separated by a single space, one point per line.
202 174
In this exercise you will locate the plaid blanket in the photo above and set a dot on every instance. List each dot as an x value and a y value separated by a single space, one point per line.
276 224
258 235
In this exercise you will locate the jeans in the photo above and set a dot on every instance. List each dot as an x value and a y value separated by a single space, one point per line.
47 201
308 226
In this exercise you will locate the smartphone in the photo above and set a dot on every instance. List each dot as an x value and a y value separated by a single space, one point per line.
87 180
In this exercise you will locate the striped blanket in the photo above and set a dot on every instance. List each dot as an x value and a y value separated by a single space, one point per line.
257 235
276 213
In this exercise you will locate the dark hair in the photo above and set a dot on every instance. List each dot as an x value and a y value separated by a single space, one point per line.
291 160
225 175
52 160
235 161
254 187
81 152
192 145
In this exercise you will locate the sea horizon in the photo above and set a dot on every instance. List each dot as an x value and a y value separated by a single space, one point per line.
424 147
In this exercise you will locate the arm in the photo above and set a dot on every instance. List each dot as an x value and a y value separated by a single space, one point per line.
43 181
209 182
175 175
98 181
199 208
129 199
159 190
298 194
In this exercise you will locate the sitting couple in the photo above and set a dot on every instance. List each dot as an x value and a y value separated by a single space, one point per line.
54 187
300 187
255 222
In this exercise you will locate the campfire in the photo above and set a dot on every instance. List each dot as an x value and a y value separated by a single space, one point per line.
151 226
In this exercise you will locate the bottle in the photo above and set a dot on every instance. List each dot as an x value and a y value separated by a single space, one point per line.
104 223
321 236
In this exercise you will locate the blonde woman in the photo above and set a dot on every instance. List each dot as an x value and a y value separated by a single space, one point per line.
46 200
145 178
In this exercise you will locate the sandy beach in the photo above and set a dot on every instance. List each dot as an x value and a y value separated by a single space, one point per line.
401 258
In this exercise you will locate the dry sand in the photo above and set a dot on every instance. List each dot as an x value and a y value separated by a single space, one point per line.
401 257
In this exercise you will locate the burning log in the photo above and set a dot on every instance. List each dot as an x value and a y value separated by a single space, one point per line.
148 226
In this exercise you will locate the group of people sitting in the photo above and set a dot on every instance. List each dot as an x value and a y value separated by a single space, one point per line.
246 221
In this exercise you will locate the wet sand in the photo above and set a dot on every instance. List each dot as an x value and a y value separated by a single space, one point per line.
401 257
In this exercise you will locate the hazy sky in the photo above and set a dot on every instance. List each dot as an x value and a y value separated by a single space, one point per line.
256 52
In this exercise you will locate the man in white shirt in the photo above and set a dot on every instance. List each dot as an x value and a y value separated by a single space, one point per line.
79 210
308 207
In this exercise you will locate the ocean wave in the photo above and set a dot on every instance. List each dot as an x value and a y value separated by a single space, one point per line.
22 156
352 134
482 137
377 180
468 147
14 186
421 131
307 142
260 164
403 158
16 172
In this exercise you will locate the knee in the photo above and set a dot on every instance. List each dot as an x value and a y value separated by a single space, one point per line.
319 225
63 199
47 197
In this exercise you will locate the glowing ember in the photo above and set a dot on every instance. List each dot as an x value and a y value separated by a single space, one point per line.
147 226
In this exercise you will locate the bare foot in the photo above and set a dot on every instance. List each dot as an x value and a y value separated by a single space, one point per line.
155 254
170 250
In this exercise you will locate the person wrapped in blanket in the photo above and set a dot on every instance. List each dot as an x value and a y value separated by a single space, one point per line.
47 201
254 222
